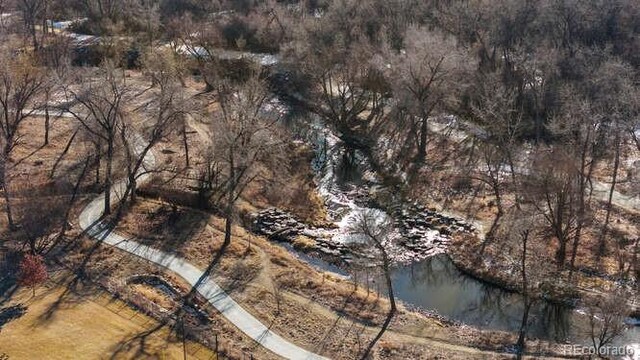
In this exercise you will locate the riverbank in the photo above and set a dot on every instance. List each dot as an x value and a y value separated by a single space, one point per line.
342 314
441 187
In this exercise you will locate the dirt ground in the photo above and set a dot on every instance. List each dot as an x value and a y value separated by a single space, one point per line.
455 192
319 311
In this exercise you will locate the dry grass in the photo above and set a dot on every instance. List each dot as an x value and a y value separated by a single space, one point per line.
303 243
113 268
32 161
194 235
62 325
318 311
154 295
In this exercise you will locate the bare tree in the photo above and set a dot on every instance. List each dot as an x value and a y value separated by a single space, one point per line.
245 140
577 129
606 319
164 68
522 333
427 75
379 233
199 42
520 243
496 111
617 101
20 84
553 187
33 12
161 116
101 115
349 89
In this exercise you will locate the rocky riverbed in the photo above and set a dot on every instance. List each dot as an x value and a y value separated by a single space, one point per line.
421 233
349 186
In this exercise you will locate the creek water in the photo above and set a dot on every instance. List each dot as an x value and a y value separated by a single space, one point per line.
435 284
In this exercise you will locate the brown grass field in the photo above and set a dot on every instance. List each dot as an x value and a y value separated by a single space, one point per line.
87 324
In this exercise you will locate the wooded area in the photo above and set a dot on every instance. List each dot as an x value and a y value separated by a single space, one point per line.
521 117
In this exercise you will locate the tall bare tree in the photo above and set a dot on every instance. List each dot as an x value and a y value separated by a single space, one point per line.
349 91
496 111
379 233
164 68
576 129
101 100
21 82
617 101
160 117
428 75
33 14
246 140
553 187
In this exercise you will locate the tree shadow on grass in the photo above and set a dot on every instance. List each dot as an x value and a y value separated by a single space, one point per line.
342 315
8 287
171 227
75 292
139 344
28 156
77 284
11 313
207 272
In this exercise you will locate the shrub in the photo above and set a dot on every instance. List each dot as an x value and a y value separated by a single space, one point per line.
33 271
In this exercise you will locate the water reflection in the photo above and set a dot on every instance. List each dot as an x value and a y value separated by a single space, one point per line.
436 284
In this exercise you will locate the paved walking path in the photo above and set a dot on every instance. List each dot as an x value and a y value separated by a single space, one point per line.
90 222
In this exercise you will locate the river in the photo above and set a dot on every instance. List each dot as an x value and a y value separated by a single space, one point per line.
432 283
435 284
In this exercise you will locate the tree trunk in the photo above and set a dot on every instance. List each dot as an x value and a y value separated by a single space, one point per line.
98 163
616 165
422 146
134 187
34 37
523 329
47 120
584 180
539 125
185 144
494 226
392 301
520 346
107 180
227 229
561 254
230 201
7 198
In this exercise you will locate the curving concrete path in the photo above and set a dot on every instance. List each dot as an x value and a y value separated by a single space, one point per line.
90 222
